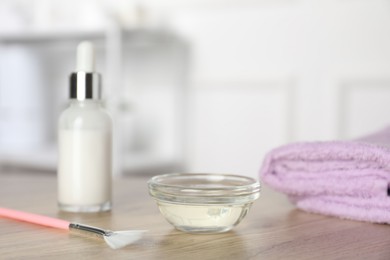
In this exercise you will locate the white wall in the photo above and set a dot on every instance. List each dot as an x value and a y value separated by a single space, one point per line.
263 72
266 73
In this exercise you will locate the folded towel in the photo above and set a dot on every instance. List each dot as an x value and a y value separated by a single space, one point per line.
346 179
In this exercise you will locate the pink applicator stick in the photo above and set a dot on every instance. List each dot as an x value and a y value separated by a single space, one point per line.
115 239
34 218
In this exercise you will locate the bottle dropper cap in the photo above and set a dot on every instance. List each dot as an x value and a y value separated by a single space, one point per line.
85 82
85 57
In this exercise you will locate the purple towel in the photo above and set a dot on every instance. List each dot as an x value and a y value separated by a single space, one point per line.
346 179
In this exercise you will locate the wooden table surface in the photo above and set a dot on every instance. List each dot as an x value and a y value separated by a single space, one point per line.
273 229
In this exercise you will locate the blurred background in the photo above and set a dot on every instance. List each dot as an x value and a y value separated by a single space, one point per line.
196 85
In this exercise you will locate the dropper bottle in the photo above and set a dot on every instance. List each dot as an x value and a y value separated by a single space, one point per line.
85 141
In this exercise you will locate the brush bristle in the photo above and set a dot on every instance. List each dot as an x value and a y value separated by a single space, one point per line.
119 239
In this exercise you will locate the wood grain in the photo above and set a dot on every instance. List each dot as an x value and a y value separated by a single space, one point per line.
273 229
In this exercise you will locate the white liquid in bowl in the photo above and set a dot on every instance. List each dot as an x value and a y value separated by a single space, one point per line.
203 218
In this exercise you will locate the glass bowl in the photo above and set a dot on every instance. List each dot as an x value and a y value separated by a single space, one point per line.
203 203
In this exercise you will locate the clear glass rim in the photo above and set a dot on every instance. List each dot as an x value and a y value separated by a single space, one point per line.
202 185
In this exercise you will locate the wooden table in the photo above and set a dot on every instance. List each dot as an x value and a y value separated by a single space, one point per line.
273 229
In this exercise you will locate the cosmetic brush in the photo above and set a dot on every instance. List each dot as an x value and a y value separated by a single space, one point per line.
115 239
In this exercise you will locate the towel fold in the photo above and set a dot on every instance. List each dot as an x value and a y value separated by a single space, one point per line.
346 179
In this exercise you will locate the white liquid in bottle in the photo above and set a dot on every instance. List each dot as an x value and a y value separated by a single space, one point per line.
84 141
85 162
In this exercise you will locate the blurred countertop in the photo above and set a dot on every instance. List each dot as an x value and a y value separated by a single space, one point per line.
273 229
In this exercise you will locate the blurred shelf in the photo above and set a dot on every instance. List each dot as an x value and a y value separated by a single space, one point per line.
46 160
67 35
116 43
43 160
45 36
